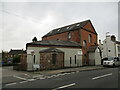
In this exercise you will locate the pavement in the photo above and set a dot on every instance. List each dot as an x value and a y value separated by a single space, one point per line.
67 70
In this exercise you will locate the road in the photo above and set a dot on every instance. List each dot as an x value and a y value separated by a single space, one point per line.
104 78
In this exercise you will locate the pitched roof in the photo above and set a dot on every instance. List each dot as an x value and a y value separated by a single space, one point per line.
92 48
67 28
51 50
16 52
58 43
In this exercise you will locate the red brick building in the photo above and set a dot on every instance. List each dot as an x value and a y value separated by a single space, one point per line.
82 33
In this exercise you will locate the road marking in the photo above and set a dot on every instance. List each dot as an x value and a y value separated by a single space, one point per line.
23 81
37 76
31 79
102 76
77 71
42 78
10 84
20 77
64 86
72 72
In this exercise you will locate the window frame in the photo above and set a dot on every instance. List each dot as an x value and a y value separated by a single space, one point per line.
90 38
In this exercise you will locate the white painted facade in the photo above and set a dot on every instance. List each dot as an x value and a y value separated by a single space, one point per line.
110 48
97 57
68 52
94 57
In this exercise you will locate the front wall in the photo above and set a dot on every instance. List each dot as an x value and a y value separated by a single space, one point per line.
91 58
71 53
46 61
109 45
97 57
68 52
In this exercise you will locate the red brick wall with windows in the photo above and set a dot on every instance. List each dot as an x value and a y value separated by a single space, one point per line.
64 36
84 36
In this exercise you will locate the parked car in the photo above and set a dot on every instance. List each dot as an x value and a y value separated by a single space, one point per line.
112 61
106 58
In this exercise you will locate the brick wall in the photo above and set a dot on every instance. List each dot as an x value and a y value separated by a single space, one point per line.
46 61
64 36
23 62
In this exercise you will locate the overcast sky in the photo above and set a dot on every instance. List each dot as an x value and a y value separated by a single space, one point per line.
21 21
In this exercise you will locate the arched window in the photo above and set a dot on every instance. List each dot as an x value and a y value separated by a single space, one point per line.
89 38
84 43
69 35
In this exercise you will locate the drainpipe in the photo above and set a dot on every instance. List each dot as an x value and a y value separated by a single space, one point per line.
106 45
115 49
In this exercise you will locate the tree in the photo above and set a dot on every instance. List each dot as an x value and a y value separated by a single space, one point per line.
34 39
16 59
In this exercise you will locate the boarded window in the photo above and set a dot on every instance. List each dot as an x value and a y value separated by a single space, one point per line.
54 57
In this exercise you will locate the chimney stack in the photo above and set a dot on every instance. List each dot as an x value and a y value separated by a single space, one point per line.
113 38
99 41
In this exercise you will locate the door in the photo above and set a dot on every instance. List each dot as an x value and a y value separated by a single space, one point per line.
85 59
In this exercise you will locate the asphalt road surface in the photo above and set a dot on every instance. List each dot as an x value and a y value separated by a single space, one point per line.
104 78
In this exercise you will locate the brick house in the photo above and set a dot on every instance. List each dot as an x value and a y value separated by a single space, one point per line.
83 33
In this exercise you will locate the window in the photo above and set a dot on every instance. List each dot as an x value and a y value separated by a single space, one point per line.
69 35
84 43
75 59
54 58
89 38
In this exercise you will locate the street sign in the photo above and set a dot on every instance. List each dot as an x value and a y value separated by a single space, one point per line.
79 52
36 66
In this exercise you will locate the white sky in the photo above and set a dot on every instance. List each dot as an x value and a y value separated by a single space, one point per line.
21 21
